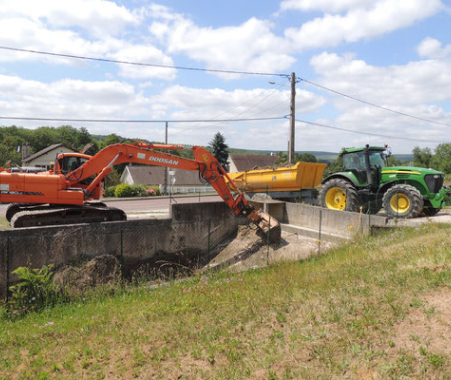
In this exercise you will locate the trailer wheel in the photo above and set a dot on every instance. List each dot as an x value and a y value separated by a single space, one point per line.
339 194
403 201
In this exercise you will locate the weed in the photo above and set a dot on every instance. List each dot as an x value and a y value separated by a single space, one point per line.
331 316
35 291
436 360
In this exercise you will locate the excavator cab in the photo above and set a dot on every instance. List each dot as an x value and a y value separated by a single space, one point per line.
67 163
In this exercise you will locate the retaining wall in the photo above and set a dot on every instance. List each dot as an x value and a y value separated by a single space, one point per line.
190 229
340 223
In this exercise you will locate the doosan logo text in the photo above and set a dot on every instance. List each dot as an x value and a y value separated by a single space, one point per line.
164 160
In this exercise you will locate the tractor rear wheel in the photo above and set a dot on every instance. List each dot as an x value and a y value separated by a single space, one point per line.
339 194
403 201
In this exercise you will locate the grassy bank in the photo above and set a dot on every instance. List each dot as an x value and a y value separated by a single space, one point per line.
373 309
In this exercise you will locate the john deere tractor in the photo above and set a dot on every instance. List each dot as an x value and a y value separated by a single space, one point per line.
366 183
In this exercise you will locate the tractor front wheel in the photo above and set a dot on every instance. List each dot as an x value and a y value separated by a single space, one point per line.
403 201
339 194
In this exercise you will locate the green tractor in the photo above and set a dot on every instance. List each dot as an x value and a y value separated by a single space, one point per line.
366 183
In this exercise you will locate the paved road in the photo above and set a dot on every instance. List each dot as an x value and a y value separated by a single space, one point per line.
143 205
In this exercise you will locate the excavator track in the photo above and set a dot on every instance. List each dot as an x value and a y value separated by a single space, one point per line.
51 215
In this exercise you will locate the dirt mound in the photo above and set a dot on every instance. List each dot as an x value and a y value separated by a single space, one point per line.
249 250
101 270
246 243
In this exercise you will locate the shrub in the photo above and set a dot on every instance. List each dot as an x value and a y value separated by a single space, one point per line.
35 291
153 190
109 191
139 190
123 190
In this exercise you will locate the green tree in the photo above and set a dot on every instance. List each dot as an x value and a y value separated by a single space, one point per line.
305 157
67 135
218 148
111 139
422 157
442 158
83 138
333 167
283 157
393 161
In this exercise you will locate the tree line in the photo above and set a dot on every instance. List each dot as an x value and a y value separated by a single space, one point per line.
12 138
440 160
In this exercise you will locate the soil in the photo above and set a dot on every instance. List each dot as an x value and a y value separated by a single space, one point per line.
249 250
428 327
101 270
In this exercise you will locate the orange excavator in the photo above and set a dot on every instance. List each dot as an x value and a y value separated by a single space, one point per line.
68 193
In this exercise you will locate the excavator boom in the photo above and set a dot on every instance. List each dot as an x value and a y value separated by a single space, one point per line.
62 196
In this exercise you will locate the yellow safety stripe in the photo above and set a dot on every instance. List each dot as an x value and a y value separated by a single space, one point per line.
400 172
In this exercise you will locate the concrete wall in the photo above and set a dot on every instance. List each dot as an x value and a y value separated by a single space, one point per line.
193 230
340 223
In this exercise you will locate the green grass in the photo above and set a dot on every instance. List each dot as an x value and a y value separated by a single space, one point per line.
4 223
337 316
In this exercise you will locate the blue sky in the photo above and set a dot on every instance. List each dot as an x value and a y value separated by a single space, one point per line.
395 54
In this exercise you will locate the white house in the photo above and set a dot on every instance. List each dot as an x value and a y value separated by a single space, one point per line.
179 181
46 157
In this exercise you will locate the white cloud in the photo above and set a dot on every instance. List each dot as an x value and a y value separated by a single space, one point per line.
424 81
42 30
409 89
382 17
76 99
24 33
204 103
97 16
144 54
68 98
323 5
432 48
251 46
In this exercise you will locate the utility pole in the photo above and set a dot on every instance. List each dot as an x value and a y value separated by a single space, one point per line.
165 185
291 150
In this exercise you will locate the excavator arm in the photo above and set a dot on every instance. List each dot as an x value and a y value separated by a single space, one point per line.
75 186
100 165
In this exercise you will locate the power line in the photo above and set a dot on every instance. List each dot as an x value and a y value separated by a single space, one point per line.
233 108
366 133
224 72
373 104
141 63
138 121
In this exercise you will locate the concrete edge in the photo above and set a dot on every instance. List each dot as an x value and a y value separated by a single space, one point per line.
312 233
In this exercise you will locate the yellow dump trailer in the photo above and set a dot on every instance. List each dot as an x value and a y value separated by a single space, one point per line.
280 183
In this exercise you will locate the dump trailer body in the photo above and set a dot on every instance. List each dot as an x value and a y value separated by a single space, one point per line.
292 180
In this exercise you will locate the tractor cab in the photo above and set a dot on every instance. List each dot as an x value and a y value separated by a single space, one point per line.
365 164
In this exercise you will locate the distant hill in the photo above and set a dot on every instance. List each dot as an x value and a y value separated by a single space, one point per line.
320 155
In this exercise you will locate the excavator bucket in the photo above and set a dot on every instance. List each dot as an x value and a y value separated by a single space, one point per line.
268 225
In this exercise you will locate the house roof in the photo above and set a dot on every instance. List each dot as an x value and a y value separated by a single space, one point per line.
44 151
244 162
154 175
